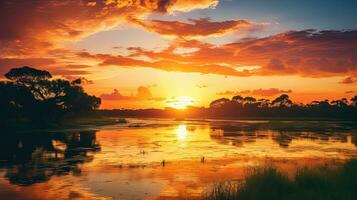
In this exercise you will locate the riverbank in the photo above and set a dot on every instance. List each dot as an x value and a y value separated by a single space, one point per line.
68 122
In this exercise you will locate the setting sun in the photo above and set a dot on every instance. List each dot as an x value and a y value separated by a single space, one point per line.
178 99
180 102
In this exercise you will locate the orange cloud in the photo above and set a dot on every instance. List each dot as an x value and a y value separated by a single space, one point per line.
34 32
143 94
196 28
187 5
307 53
50 64
348 80
165 64
116 96
31 27
228 93
7 63
84 81
269 92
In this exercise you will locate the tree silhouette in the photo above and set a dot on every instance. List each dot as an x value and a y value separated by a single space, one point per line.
14 99
35 80
27 75
219 102
32 94
249 100
263 102
282 100
282 106
238 99
354 100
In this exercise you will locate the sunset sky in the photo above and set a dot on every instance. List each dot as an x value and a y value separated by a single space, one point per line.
153 53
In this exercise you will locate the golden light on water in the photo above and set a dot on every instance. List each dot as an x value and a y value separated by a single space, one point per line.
130 158
181 132
58 145
180 102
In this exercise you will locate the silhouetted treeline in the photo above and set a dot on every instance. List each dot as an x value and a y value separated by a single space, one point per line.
250 107
32 95
283 106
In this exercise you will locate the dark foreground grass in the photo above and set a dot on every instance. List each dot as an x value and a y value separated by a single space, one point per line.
324 183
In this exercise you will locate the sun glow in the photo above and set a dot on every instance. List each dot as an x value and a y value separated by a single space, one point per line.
180 102
181 132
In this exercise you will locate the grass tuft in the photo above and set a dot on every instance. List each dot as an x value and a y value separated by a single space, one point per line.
268 183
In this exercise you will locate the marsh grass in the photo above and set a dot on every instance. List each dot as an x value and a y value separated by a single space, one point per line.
268 183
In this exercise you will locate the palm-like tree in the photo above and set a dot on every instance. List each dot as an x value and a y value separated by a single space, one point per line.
354 100
238 99
219 102
282 101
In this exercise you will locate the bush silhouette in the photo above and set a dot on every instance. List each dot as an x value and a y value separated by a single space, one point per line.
33 95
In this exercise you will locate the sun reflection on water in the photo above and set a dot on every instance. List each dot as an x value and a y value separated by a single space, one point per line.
181 132
127 162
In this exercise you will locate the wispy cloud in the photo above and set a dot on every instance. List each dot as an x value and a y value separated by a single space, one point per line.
32 27
255 92
348 80
33 31
194 28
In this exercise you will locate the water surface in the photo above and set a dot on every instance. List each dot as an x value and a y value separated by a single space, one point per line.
160 159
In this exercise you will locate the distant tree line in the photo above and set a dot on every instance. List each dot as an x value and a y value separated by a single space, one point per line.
283 106
33 95
250 107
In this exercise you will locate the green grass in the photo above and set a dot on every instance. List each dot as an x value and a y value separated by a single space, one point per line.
268 183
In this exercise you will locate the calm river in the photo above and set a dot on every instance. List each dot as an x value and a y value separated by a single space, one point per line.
162 159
